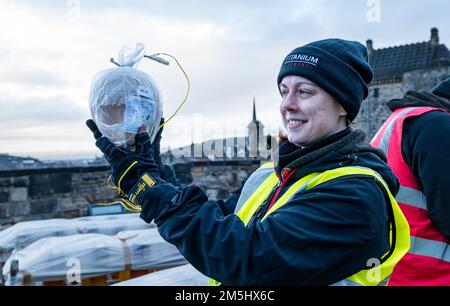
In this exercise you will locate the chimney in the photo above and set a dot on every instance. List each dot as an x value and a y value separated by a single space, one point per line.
434 37
369 44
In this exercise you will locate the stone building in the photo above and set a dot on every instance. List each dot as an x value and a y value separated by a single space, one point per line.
416 66
255 145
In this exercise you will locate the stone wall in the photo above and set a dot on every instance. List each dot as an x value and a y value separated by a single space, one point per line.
374 111
424 79
51 193
67 192
218 179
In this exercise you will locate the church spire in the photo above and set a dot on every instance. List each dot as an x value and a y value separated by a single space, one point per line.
254 109
255 134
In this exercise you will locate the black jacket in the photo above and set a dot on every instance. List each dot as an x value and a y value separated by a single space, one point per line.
319 237
426 150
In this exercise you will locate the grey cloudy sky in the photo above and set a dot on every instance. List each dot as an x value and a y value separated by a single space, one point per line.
231 50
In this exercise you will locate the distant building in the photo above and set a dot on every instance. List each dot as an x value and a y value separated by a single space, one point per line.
416 66
9 162
255 145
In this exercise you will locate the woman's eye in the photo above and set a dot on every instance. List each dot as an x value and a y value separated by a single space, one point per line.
303 92
284 93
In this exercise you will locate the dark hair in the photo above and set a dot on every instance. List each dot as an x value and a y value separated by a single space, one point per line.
282 137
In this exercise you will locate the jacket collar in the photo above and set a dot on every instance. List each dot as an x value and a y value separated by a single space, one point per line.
292 156
419 98
341 149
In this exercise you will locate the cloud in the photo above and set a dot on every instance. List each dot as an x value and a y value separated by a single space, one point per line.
38 111
31 76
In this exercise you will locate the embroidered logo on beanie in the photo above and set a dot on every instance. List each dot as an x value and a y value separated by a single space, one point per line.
294 59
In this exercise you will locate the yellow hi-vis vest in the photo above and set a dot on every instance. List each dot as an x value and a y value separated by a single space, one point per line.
262 182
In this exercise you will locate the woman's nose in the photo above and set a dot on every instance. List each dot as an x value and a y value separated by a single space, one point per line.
289 103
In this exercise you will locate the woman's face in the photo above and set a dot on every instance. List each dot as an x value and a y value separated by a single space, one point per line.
309 113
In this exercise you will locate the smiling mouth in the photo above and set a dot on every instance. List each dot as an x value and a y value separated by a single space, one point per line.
292 124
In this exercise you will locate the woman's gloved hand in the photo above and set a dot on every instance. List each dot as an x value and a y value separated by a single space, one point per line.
127 167
136 174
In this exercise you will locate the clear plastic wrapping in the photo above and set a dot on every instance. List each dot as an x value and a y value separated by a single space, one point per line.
185 275
111 224
23 234
149 250
124 100
47 259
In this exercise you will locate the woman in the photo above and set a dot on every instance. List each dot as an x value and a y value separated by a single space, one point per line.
320 216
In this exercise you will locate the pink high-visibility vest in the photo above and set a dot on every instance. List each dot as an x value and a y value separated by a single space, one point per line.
428 260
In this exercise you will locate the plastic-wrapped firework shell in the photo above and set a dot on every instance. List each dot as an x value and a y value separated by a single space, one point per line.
124 101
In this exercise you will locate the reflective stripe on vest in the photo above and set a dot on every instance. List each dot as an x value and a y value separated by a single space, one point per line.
372 276
412 197
255 180
429 248
384 144
426 247
347 282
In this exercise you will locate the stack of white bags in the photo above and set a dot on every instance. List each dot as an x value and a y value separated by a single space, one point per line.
53 250
23 234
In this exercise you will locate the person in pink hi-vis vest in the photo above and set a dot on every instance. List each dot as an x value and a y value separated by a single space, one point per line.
416 141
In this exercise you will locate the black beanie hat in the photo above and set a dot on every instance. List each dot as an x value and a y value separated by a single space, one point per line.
338 66
442 89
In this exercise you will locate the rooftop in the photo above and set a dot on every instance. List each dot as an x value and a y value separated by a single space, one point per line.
389 64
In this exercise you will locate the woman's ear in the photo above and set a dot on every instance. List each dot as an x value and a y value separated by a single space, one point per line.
342 111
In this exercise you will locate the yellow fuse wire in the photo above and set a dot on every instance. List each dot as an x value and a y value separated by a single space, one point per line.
188 86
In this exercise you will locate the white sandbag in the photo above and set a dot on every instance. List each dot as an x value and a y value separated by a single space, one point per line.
111 224
185 275
23 234
149 250
48 258
51 259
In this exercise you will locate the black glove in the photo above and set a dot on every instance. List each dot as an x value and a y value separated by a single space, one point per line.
156 146
127 167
